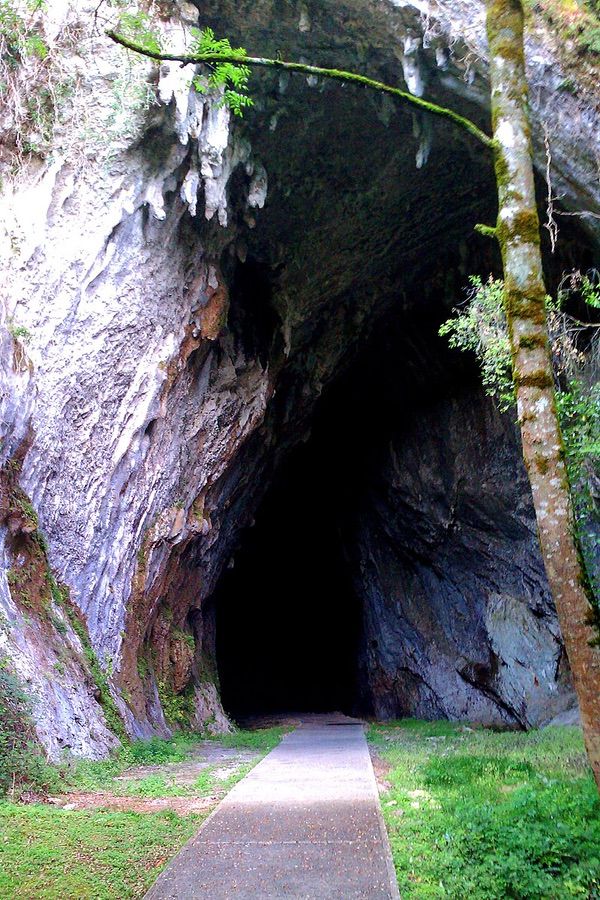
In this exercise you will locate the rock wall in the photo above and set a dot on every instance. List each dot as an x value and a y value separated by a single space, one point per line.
459 622
165 338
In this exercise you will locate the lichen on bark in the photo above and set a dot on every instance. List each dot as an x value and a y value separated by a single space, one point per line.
532 365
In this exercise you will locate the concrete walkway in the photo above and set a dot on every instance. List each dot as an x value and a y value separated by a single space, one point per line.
304 823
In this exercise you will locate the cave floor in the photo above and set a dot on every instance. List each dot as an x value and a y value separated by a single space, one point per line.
305 822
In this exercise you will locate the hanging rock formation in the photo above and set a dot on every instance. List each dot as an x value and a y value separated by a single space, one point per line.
179 290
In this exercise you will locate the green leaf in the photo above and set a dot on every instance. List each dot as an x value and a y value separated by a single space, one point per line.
138 27
226 77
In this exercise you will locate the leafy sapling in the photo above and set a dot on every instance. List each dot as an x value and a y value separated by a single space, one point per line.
479 326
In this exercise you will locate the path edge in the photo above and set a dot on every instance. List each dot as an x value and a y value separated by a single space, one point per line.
387 849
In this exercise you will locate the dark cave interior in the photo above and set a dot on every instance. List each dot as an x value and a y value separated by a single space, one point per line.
296 621
289 620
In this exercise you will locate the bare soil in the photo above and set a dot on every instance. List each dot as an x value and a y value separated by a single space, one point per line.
208 754
183 806
224 764
381 769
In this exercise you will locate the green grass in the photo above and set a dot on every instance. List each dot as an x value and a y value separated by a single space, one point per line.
92 775
490 815
262 739
88 775
47 852
50 853
153 786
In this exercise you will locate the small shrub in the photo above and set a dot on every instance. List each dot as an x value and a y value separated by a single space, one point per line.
19 332
179 708
22 766
479 326
152 752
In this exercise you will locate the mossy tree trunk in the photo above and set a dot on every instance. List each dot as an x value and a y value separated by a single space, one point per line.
519 235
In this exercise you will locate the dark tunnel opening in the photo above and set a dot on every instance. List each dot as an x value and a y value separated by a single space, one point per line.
352 568
289 621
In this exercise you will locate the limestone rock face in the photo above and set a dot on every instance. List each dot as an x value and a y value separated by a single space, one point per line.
459 622
179 290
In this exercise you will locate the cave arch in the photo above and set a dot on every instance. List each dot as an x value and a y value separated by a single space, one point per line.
392 568
364 244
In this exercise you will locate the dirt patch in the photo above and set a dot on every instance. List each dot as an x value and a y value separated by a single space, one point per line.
183 806
279 720
382 770
223 762
194 785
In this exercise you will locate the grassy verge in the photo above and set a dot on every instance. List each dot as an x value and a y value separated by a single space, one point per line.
107 775
490 815
261 739
98 854
91 775
50 853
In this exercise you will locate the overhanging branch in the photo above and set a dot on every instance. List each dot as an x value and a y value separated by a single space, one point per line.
305 69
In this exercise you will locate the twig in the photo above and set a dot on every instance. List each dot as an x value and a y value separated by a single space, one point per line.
581 214
550 223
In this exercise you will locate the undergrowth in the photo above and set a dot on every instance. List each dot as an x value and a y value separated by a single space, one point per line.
576 21
490 815
97 855
22 764
33 84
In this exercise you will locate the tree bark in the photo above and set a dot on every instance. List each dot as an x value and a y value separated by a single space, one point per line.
519 235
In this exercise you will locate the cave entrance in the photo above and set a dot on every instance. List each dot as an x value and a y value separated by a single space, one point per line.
288 621
291 615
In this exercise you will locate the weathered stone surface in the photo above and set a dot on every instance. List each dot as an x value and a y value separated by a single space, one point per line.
459 621
154 426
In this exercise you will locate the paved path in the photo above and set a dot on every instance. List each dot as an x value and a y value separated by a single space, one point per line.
304 823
